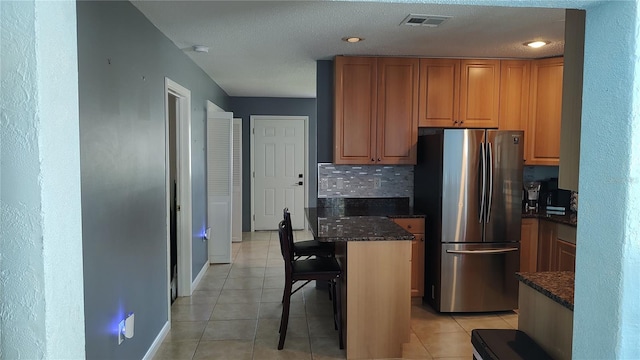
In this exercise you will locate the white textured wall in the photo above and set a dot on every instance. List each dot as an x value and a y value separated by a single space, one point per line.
607 293
41 292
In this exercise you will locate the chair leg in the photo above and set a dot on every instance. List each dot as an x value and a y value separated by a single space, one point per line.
284 320
339 310
332 296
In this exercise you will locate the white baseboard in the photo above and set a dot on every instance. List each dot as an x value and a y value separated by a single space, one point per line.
219 260
195 282
157 342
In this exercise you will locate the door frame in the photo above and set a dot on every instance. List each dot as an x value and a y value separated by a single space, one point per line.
183 191
253 119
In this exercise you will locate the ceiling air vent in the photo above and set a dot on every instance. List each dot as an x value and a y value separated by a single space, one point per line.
424 20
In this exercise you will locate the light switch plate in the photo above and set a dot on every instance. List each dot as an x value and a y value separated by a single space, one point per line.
377 183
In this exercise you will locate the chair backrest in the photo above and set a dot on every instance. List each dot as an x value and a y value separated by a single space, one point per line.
285 246
289 227
287 218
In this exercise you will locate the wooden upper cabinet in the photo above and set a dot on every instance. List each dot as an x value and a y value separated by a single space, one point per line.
459 93
439 94
514 94
355 110
545 112
376 110
397 122
479 93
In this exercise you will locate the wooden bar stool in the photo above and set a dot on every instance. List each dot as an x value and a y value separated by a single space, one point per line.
308 248
319 269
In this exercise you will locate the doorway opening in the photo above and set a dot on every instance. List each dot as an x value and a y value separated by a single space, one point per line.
172 116
178 190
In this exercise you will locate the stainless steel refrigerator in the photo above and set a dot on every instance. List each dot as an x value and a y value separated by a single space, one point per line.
468 182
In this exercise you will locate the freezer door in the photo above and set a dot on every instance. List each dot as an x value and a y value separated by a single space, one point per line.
479 277
462 185
504 197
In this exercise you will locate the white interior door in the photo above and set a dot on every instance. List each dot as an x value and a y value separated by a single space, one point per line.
219 184
236 201
279 169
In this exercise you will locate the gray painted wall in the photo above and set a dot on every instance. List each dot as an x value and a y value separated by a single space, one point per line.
244 107
123 61
324 95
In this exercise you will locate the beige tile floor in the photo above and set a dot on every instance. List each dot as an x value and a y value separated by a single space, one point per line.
235 314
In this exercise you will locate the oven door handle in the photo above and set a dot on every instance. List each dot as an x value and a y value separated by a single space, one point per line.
489 251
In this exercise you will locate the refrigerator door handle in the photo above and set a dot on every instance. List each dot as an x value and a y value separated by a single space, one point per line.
490 197
488 251
483 159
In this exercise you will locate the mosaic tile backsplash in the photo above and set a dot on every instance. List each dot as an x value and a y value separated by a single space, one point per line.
365 181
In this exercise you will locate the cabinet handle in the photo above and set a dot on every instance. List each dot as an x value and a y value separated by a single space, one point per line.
408 226
379 159
372 159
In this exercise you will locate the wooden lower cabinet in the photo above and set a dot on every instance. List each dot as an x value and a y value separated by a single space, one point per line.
546 240
565 256
529 245
417 266
416 227
556 247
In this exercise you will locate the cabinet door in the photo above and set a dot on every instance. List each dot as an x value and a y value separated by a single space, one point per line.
355 110
546 240
417 266
514 95
565 256
397 122
545 112
439 95
416 227
529 246
479 93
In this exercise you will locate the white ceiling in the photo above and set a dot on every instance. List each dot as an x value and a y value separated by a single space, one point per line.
270 48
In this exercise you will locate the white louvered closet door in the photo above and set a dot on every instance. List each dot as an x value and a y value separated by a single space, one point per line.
236 222
219 184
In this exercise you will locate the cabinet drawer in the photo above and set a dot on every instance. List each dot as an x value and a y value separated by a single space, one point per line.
413 225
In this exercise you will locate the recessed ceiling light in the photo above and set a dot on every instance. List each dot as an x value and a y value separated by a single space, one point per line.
536 44
352 39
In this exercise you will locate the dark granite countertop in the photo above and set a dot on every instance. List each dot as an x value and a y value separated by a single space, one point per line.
556 285
570 218
330 225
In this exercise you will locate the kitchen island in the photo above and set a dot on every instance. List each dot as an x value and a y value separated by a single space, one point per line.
545 305
375 256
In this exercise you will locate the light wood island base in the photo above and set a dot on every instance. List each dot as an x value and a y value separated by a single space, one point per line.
377 294
548 323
